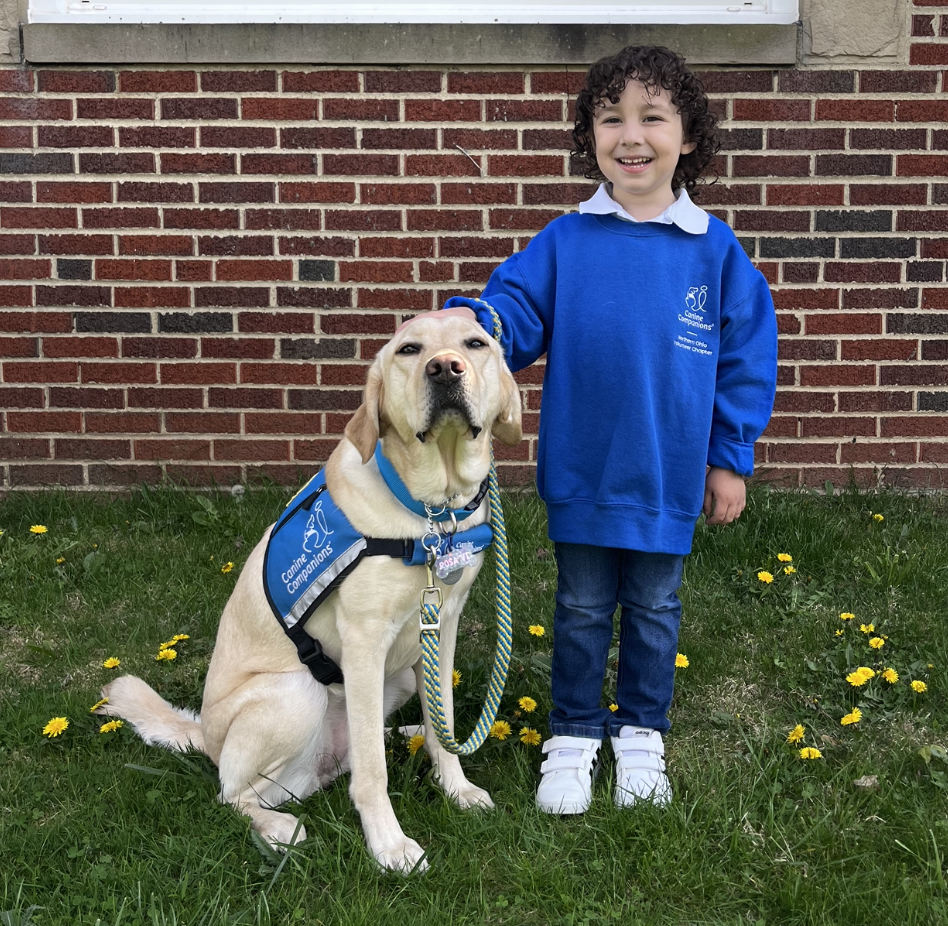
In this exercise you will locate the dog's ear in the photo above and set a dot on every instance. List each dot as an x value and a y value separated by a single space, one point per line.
363 428
507 427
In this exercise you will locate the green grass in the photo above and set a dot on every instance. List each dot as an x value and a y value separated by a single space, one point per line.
101 829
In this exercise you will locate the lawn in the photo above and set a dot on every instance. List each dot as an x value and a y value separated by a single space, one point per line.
96 828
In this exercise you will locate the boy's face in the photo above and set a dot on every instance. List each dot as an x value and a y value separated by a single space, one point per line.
639 139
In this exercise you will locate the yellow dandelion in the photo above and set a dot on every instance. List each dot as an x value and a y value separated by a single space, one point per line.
860 676
788 570
455 678
528 704
166 645
681 661
919 686
867 628
785 557
846 616
500 729
111 726
808 752
878 517
854 716
97 705
613 707
537 630
39 529
112 663
57 725
765 577
877 642
178 637
415 743
227 568
891 676
529 736
60 560
840 633
166 655
796 734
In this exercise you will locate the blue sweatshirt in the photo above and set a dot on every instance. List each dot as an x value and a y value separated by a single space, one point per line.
661 358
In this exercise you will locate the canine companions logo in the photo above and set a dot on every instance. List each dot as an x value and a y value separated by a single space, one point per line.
694 318
315 544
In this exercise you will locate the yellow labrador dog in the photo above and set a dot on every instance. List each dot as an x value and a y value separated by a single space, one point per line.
435 394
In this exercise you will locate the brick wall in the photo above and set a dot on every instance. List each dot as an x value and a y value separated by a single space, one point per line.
197 265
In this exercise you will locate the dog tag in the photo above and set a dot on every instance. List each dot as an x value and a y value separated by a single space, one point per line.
450 565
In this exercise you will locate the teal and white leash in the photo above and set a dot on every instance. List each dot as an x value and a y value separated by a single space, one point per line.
430 619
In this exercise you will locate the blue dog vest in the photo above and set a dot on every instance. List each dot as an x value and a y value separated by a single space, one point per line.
313 547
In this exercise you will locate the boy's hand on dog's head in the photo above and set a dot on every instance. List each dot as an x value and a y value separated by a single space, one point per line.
724 496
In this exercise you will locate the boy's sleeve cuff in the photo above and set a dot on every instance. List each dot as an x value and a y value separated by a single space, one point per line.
732 455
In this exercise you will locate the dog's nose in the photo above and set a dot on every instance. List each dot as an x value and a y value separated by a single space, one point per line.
445 368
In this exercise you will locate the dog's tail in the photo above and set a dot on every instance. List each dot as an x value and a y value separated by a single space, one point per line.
156 721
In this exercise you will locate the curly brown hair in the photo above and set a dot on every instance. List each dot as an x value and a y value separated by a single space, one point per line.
654 66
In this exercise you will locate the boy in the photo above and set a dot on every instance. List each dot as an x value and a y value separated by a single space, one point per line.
660 342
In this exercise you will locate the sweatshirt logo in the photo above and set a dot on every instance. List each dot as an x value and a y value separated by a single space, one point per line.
692 316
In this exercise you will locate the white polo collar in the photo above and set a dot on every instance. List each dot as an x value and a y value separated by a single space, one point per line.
683 212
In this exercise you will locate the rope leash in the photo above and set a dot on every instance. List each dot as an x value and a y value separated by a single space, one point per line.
430 620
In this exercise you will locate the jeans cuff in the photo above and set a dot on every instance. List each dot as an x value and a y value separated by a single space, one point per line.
573 729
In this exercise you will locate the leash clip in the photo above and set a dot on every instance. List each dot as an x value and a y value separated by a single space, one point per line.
430 591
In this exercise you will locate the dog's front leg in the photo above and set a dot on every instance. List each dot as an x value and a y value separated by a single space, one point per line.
447 766
363 665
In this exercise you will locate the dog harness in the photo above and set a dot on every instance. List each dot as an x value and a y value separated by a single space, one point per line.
313 547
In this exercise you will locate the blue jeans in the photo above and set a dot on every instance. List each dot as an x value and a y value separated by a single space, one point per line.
592 582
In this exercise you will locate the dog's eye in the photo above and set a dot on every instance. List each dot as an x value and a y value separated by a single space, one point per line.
409 349
475 343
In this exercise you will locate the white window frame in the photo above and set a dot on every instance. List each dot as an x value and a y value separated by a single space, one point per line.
586 12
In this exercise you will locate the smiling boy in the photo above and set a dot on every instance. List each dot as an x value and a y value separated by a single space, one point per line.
660 343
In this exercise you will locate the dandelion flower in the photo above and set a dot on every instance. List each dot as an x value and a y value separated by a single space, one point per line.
166 645
919 686
227 568
111 726
846 616
891 676
878 517
765 577
788 570
528 704
877 642
537 630
97 705
178 637
415 743
613 707
530 737
840 633
166 655
681 661
854 716
112 663
60 560
860 676
796 734
57 725
808 752
500 730
455 678
785 557
867 628
39 529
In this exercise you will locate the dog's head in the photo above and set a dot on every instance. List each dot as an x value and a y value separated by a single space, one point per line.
438 372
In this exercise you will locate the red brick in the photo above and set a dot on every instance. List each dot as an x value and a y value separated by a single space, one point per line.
156 245
360 110
880 349
898 81
48 191
273 109
915 426
257 450
31 109
318 137
895 194
786 165
771 220
20 348
236 192
231 297
201 218
157 136
927 54
935 248
837 375
400 246
375 272
66 422
388 194
245 398
152 297
792 401
201 373
193 271
158 81
806 139
120 217
127 163
910 220
18 80
114 422
801 453
441 165
321 81
850 111
880 453
442 111
427 220
172 163
921 165
17 244
875 401
515 165
113 108
165 397
547 139
923 110
876 298
275 323
226 136
119 373
473 193
16 136
13 448
935 298
44 322
771 110
235 245
838 426
398 81
314 192
75 136
172 449
845 323
350 323
401 139
201 109
487 82
473 273
231 270
38 217
40 371
862 272
86 397
90 245
521 219
278 164
239 81
285 219
479 139
133 270
524 111
830 194
879 139
159 348
364 220
316 246
237 348
279 374
25 269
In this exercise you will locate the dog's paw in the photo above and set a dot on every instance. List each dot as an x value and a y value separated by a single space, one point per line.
404 856
280 830
470 797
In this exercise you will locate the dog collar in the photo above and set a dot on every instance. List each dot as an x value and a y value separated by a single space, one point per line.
400 491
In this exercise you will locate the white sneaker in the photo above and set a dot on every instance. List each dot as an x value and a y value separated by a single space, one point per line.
568 773
640 767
